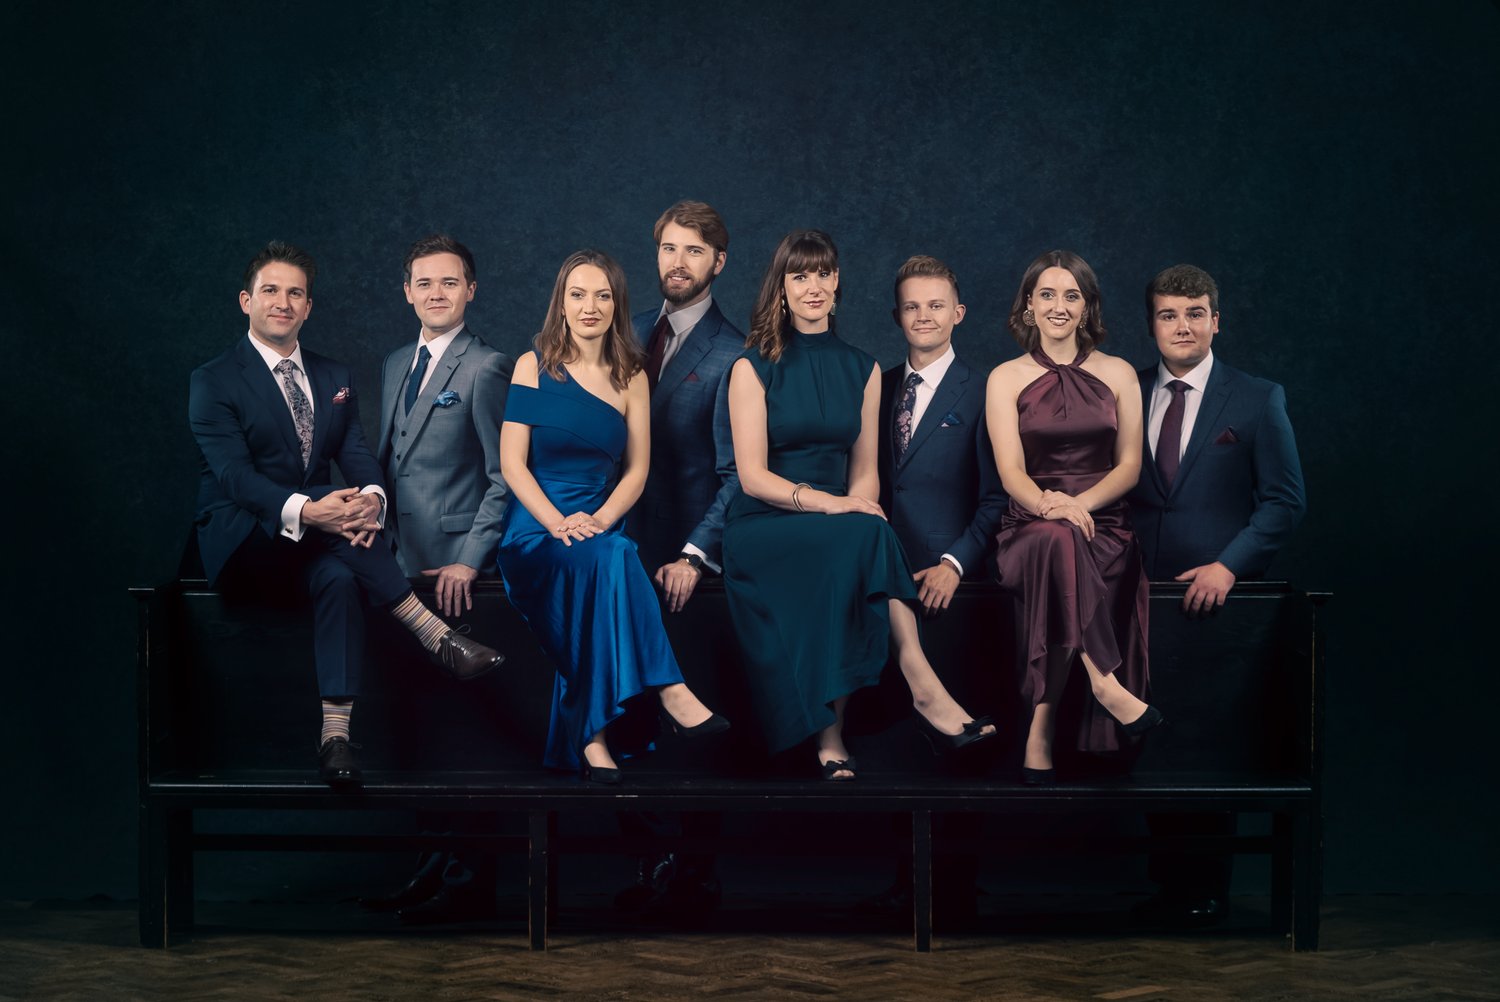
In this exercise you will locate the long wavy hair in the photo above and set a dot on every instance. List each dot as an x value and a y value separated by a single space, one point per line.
799 250
554 343
1091 331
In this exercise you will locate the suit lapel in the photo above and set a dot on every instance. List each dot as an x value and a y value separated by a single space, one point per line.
687 358
1215 396
890 385
1148 455
266 388
322 393
422 409
393 393
947 394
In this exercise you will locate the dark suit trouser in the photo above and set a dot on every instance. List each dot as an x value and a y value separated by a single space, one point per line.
339 579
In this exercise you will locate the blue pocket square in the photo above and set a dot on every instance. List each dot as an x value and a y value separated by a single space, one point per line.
950 419
447 399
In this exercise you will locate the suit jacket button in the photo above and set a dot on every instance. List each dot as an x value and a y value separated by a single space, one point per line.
403 434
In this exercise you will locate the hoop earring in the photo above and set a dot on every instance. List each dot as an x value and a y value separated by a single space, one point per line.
1028 318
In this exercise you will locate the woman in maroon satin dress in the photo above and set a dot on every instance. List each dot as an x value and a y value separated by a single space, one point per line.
1065 423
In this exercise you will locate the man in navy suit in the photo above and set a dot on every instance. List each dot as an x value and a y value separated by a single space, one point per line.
1220 493
938 482
270 419
678 524
941 491
679 521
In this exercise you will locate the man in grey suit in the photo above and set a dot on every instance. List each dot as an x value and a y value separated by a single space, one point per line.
1220 493
678 524
442 401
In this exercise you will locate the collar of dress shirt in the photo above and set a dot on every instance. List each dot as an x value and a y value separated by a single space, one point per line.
934 371
685 319
1197 377
272 359
435 347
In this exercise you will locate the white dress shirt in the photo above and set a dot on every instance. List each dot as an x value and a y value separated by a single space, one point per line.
435 348
932 377
683 321
291 512
1192 400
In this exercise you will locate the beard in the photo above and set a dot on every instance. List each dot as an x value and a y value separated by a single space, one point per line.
689 293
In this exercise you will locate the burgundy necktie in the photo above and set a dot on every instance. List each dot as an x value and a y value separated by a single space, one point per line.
656 348
1169 442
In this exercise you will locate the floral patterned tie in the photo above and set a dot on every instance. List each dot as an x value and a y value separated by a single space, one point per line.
302 413
904 413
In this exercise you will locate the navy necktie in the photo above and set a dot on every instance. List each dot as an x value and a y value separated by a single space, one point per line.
1169 440
904 412
414 381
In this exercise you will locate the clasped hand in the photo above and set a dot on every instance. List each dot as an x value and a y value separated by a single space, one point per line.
346 513
580 526
1056 506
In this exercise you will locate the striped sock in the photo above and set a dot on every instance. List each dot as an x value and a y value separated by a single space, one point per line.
417 618
335 720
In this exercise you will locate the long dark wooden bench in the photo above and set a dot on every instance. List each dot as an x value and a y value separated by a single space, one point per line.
228 717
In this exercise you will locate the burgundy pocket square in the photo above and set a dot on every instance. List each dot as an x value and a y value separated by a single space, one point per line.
692 377
1226 437
342 396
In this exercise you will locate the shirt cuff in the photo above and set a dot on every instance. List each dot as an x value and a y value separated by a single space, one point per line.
954 561
379 492
291 517
695 551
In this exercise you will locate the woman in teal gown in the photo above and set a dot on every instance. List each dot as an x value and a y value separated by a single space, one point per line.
816 579
574 450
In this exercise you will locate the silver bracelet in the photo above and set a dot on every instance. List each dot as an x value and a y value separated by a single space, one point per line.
795 490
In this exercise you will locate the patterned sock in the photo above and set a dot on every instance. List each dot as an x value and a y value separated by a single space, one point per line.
335 720
417 618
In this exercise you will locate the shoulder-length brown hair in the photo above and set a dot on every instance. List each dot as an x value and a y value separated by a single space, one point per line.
554 344
1091 332
799 250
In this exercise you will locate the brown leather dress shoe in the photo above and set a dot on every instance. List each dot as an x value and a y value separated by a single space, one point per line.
464 658
337 763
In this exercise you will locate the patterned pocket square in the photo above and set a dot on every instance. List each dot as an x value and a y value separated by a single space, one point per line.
950 419
342 396
1227 437
447 399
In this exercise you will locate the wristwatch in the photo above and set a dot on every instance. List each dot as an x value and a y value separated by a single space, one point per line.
694 561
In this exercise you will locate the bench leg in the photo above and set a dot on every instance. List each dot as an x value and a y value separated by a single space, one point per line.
1307 841
165 911
921 879
1282 871
539 877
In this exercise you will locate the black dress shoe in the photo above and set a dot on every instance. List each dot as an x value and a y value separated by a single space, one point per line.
715 724
471 901
651 876
426 882
337 763
946 744
463 658
1152 718
1177 911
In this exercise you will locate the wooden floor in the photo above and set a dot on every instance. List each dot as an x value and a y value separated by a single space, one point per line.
1425 948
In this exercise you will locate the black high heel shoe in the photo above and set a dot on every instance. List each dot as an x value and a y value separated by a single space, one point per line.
1038 777
837 765
948 744
1147 721
715 724
604 775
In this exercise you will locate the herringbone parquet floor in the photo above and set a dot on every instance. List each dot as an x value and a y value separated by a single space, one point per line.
1374 948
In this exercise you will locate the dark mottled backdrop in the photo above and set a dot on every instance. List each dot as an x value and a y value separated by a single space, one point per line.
1332 165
